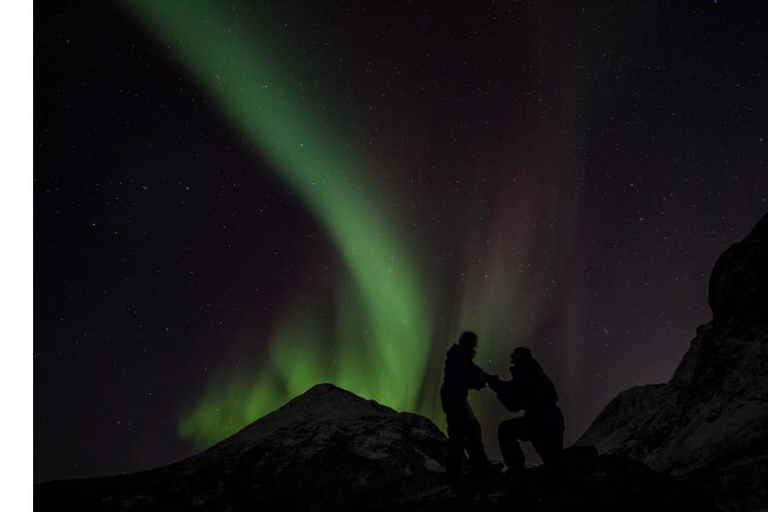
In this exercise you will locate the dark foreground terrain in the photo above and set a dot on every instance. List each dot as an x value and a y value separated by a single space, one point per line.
330 449
698 442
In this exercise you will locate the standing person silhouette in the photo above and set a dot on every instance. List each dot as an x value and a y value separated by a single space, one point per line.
530 390
464 433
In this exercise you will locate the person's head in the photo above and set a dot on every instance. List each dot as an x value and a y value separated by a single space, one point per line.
468 340
520 355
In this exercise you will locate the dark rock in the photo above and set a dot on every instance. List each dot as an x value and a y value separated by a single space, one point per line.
329 449
737 287
709 423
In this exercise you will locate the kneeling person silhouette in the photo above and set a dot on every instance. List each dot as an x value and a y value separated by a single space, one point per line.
464 433
530 390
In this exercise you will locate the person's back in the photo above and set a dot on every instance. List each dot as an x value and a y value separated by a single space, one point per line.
530 388
460 375
532 391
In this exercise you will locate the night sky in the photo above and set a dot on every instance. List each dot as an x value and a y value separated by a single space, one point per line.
234 201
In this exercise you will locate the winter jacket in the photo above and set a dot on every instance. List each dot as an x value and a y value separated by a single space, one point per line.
529 390
460 375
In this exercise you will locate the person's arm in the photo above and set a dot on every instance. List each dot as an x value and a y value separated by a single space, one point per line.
475 377
505 392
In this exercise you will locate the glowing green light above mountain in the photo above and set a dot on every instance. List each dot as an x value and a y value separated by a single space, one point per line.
381 337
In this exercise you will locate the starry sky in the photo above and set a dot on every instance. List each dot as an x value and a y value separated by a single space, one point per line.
234 201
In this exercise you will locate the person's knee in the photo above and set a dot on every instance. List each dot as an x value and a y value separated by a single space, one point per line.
548 445
505 426
509 429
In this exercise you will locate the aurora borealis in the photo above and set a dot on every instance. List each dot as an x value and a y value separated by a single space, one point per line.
379 340
235 201
380 346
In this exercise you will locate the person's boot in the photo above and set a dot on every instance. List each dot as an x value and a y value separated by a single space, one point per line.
516 473
453 472
495 467
453 479
489 468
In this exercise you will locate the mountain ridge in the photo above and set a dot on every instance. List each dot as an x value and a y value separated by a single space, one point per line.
664 446
709 422
329 448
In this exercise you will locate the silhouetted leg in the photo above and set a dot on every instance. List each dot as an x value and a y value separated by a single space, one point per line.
474 444
455 450
548 440
548 446
460 436
509 433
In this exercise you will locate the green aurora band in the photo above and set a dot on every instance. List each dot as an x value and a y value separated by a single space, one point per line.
382 337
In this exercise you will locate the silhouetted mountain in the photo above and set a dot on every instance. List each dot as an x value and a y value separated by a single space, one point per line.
329 449
709 423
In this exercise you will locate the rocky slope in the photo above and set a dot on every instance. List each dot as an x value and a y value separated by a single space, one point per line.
329 449
709 423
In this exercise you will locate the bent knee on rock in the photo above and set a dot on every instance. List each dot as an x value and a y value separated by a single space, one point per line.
512 429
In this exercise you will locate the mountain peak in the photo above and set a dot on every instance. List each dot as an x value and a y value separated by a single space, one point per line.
331 399
323 406
325 400
737 287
